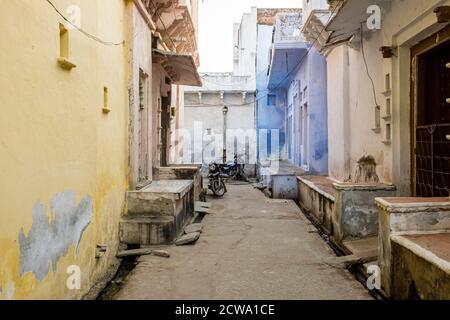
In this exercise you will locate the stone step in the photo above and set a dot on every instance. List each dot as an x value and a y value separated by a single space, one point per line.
160 198
148 230
158 213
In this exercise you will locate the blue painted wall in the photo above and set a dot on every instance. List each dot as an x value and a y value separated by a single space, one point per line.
268 117
308 81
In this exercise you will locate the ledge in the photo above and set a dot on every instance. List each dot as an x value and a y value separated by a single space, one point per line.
363 187
387 93
376 130
66 64
426 248
410 204
313 186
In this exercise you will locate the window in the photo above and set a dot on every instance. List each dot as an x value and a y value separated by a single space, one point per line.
63 41
388 132
377 117
106 108
388 106
271 100
64 50
388 82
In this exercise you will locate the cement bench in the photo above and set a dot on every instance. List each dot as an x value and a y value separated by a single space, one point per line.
346 211
157 214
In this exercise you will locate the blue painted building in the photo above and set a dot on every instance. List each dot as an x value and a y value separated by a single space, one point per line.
270 107
291 96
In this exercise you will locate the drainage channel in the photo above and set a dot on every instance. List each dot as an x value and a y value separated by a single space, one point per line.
115 285
356 270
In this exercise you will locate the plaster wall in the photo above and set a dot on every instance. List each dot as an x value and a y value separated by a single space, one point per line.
64 162
204 124
245 45
351 98
268 117
140 40
309 83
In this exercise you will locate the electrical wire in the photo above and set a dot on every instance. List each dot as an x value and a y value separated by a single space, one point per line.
367 67
87 34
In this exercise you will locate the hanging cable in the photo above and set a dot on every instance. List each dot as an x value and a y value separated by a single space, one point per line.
87 34
367 67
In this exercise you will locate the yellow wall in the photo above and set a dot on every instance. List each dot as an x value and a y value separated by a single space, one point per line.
54 138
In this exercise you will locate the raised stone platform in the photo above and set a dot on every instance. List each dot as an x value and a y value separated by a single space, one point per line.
346 211
421 266
281 178
181 172
157 214
401 221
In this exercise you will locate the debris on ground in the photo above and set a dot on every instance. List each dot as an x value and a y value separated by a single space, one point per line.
348 261
143 252
267 193
259 186
161 253
202 207
187 238
194 227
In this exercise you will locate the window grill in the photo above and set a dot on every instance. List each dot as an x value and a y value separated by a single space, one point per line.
433 160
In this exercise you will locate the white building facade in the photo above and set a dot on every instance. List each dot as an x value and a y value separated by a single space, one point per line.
219 118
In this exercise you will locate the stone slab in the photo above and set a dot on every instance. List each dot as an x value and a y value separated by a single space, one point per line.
192 228
187 239
179 187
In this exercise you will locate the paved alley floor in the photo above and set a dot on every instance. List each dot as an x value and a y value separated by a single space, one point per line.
252 247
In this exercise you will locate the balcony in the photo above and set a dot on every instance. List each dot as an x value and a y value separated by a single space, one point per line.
288 49
176 23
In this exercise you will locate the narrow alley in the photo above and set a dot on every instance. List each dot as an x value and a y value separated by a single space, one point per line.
225 150
252 247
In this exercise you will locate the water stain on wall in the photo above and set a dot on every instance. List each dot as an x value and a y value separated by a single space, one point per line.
50 239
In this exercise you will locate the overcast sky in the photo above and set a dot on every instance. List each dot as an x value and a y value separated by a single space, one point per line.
216 29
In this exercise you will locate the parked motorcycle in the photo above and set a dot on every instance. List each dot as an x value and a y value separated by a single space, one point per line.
216 180
233 169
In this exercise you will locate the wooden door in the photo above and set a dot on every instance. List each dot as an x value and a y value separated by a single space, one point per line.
432 123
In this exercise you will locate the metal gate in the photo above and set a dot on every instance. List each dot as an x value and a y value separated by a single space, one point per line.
433 160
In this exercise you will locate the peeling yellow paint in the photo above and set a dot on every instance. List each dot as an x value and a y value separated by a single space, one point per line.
56 138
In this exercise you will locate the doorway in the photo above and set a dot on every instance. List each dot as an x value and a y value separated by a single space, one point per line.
431 117
165 129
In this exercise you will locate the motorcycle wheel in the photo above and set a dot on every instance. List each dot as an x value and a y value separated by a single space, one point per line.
218 188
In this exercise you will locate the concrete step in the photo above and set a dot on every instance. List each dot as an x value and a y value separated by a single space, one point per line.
144 230
158 213
160 198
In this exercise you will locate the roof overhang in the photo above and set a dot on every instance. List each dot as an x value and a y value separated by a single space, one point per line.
346 23
285 58
181 68
340 24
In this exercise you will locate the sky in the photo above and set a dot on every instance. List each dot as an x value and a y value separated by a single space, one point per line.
216 29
